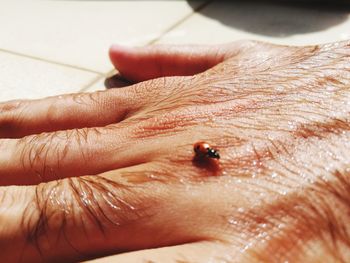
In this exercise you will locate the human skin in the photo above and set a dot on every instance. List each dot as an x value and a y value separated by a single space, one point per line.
89 175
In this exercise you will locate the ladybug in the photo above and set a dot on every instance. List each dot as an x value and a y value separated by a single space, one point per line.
203 149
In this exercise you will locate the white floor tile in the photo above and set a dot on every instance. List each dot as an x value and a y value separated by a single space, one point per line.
96 86
79 33
25 78
225 21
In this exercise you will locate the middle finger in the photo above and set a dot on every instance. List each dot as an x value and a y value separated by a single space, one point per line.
51 156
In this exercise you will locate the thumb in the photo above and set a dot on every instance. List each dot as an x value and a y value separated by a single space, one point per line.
144 63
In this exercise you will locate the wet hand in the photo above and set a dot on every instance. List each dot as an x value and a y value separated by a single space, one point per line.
88 175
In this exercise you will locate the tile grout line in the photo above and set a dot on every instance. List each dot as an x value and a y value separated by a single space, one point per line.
49 61
92 82
153 41
181 21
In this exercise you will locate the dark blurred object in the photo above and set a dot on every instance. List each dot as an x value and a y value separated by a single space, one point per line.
279 18
116 81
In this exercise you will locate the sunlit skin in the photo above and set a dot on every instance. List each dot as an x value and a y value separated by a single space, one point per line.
104 173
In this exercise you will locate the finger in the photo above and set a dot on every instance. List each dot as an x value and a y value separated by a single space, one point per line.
51 156
81 218
143 63
193 252
20 118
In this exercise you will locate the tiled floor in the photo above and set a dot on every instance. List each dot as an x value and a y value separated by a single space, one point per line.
50 47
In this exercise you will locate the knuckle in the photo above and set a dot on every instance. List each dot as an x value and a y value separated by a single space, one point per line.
63 109
40 155
105 203
10 117
43 155
44 216
34 153
53 112
88 98
94 97
14 199
89 205
11 106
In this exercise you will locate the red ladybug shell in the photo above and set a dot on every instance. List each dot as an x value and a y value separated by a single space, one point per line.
201 148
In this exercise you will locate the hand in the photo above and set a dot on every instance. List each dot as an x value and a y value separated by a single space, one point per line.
111 172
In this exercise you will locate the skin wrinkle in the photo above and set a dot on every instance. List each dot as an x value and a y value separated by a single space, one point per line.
3 196
310 216
35 150
80 191
103 207
158 126
35 221
176 122
31 155
115 202
324 129
118 105
11 106
320 130
300 132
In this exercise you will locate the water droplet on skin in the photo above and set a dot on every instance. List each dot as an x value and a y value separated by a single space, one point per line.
303 175
182 180
310 180
240 210
262 194
279 88
291 125
330 88
281 225
243 236
233 221
249 149
284 193
246 246
274 175
263 226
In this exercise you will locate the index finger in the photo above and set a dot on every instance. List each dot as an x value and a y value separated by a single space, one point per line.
81 218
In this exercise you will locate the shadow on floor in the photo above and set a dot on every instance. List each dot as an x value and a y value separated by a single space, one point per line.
278 18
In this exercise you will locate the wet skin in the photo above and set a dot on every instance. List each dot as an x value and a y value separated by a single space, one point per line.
90 175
